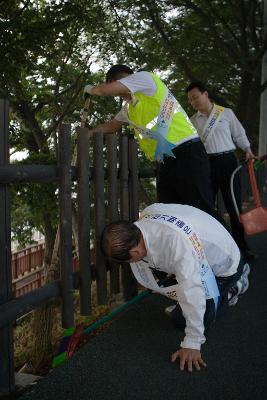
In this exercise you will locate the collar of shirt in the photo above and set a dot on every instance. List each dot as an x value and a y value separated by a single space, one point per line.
201 115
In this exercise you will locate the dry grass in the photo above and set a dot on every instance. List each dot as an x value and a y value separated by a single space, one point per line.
23 338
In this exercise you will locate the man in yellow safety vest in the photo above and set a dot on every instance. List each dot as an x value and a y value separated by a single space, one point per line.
164 133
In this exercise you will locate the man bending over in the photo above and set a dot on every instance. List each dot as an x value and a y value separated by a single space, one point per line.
198 251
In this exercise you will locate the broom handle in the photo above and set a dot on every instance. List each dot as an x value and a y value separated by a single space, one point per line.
253 182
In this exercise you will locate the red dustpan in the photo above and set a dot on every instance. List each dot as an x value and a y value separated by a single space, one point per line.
255 220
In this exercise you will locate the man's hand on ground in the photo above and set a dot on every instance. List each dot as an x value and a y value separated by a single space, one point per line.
190 357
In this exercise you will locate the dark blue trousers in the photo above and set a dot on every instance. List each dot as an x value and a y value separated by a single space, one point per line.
224 284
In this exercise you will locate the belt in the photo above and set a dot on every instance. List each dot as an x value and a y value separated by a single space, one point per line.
184 144
221 153
196 139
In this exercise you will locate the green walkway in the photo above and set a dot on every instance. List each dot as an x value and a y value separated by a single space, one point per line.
130 360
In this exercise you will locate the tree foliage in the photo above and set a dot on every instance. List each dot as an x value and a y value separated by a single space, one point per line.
48 49
218 42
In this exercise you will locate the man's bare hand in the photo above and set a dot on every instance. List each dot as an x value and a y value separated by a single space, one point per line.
250 154
191 357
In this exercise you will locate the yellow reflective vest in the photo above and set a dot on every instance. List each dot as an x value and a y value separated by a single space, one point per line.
145 114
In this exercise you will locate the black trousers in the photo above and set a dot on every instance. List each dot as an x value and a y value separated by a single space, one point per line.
224 284
221 168
186 178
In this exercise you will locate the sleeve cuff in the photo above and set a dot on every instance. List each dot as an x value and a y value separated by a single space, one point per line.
192 344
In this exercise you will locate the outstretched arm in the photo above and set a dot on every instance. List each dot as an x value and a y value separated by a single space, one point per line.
108 127
108 89
191 298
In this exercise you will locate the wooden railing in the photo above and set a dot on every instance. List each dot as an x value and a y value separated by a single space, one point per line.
26 260
28 271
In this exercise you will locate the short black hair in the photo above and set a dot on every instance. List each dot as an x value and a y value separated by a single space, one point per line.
115 72
118 238
197 85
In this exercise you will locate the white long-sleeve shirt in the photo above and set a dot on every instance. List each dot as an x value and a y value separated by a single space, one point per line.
169 251
227 134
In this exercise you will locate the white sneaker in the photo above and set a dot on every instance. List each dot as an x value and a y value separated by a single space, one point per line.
232 296
243 282
168 310
240 288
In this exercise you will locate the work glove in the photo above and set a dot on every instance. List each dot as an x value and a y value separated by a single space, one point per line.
87 89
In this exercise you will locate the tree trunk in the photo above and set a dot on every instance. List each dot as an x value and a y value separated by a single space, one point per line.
244 94
42 323
248 105
253 115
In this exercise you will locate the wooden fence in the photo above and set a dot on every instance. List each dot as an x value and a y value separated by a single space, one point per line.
28 270
26 260
114 187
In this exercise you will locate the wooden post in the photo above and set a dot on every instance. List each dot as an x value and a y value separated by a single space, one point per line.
100 219
134 183
65 225
7 377
128 281
84 220
112 186
124 174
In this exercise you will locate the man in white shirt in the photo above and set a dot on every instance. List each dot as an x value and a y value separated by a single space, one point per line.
188 243
221 133
164 133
